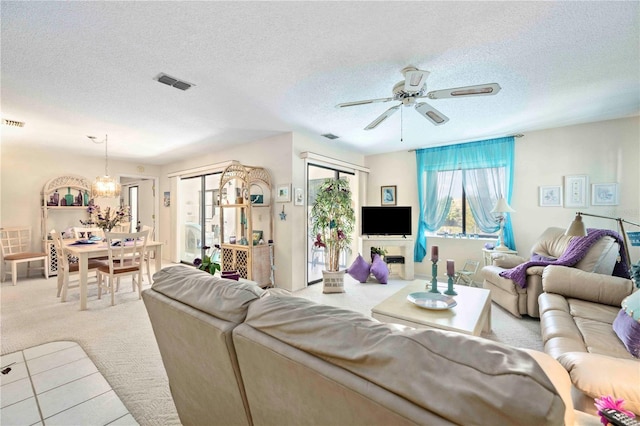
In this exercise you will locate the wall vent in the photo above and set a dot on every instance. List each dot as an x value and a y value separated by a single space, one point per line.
173 82
330 136
12 123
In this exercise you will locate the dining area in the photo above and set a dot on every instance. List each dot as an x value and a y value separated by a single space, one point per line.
112 257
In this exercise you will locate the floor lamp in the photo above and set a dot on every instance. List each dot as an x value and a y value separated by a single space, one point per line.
502 207
576 228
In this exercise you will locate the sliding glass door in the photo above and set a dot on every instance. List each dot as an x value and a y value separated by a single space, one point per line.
316 258
199 215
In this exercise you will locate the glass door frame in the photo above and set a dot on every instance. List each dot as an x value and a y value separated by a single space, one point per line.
310 253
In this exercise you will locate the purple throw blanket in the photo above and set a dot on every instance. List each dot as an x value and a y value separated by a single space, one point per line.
576 250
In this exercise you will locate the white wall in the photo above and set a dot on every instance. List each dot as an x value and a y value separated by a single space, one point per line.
24 172
280 155
607 151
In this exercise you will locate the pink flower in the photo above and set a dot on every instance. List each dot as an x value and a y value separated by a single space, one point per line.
318 242
609 402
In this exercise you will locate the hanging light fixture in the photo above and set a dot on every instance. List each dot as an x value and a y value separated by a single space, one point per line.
104 186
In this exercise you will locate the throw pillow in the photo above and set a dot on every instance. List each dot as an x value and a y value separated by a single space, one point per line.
379 269
359 269
231 275
628 330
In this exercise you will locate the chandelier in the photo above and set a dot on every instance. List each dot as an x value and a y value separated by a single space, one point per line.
104 186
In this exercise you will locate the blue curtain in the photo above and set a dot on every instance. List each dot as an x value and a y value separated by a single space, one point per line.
487 175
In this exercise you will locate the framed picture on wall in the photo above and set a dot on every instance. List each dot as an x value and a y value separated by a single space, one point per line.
388 195
551 196
604 194
575 190
283 193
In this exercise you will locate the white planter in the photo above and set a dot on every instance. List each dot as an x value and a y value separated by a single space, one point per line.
333 282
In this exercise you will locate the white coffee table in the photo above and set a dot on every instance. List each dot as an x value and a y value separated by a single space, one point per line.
472 315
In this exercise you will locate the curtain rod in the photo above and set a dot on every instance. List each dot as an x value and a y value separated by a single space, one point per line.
517 135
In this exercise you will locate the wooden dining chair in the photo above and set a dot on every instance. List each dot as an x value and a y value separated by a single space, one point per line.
16 248
147 255
66 268
126 257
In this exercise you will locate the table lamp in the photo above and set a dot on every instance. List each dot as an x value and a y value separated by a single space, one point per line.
502 207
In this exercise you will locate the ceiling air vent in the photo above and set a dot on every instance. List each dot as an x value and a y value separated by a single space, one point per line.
330 136
174 82
12 123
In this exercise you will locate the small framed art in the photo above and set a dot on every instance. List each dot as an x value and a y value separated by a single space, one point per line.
388 195
283 193
551 196
604 194
575 190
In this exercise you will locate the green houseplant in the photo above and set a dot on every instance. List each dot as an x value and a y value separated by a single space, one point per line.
333 220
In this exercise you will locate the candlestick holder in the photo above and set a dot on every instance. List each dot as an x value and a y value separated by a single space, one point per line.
434 278
450 291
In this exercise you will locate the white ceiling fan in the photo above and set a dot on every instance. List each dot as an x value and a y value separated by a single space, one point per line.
413 87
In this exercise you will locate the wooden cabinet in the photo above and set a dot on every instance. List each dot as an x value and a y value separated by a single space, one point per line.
65 198
246 223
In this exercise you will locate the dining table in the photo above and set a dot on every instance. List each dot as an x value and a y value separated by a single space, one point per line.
86 251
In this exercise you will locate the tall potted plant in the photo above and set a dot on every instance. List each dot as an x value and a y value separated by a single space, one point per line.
333 219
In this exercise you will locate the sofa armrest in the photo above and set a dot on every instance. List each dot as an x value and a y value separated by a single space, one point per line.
598 288
506 260
597 375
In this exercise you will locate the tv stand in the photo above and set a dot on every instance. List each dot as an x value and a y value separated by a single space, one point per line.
406 247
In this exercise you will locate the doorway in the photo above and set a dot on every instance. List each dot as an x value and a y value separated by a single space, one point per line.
198 215
139 194
317 174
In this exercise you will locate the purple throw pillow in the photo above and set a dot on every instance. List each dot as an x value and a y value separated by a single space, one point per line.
628 330
379 269
359 269
231 275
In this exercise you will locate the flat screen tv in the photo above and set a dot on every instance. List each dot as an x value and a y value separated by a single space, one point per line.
387 220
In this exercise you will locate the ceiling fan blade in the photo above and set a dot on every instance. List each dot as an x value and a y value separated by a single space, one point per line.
365 102
461 92
414 80
388 113
431 114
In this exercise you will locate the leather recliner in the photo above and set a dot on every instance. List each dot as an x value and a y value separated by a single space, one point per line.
601 258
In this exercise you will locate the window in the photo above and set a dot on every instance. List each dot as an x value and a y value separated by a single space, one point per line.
485 169
459 219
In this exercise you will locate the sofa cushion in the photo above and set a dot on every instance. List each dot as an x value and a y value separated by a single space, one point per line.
628 330
379 269
223 298
359 269
508 387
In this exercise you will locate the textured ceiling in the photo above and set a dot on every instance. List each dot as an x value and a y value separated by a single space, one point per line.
71 69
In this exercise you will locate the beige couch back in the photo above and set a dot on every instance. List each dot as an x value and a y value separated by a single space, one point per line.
340 367
193 314
600 259
235 354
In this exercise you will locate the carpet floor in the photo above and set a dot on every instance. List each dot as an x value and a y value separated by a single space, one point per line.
120 341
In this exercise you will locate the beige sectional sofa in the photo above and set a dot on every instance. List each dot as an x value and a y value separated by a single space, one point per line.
237 354
577 310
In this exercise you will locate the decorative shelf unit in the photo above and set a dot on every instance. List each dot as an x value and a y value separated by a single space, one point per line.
68 193
246 223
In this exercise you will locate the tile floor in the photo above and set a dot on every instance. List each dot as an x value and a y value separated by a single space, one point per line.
57 384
